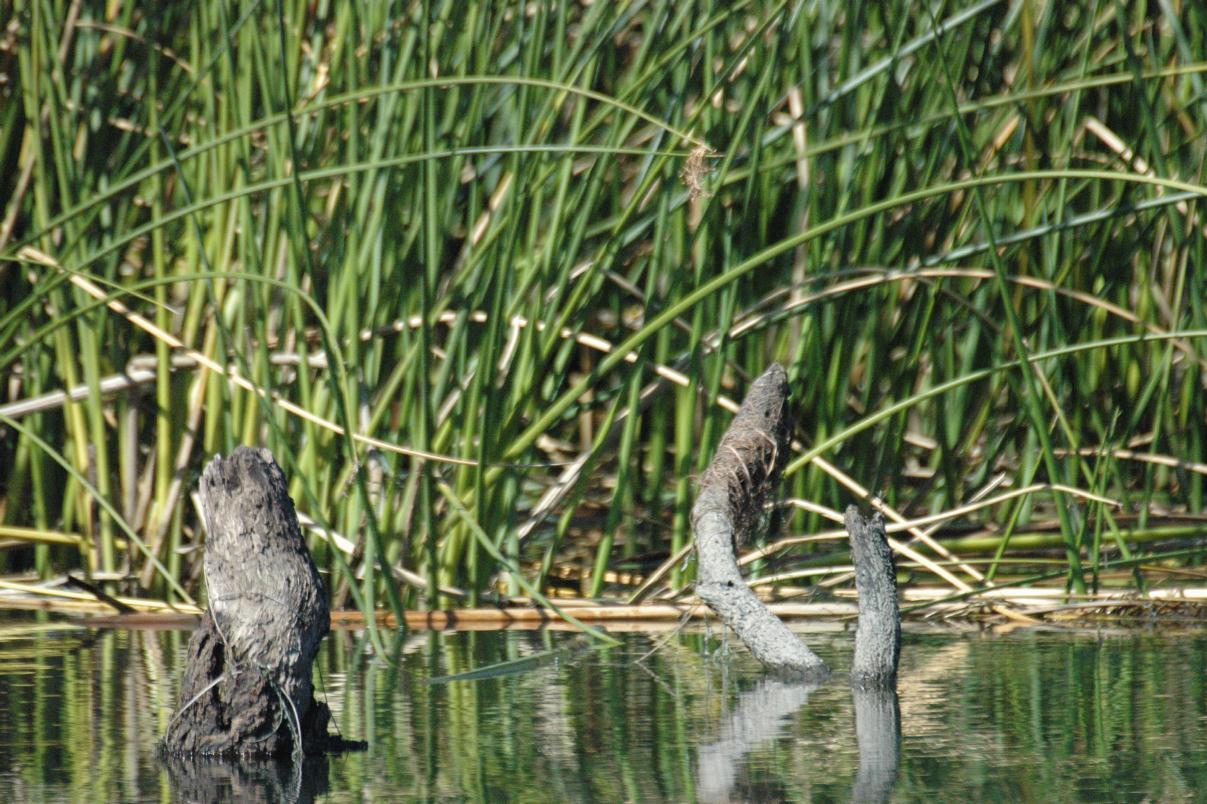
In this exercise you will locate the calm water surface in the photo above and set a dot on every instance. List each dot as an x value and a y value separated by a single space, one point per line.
1024 716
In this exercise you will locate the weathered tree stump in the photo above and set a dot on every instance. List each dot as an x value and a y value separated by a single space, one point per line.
247 690
745 469
878 634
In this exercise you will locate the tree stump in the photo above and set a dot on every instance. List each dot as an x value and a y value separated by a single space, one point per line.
745 469
247 689
878 634
877 650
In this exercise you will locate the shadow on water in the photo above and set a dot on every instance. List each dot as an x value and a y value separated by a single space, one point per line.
198 779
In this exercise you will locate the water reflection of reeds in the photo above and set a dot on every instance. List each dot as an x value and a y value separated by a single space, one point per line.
1024 715
82 710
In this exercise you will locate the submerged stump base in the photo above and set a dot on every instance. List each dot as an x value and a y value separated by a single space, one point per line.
239 713
246 690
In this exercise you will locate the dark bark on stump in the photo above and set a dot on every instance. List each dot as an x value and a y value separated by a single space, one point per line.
745 469
878 634
247 687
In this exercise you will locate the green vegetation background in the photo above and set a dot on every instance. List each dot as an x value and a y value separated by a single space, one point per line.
546 238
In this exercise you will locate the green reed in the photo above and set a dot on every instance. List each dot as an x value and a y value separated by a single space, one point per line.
404 219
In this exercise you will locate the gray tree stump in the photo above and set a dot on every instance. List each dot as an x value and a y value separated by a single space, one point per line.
878 634
247 689
745 469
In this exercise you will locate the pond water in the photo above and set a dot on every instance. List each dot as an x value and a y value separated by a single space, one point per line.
1036 715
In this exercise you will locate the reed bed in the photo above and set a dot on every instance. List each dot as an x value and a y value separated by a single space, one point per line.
489 278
